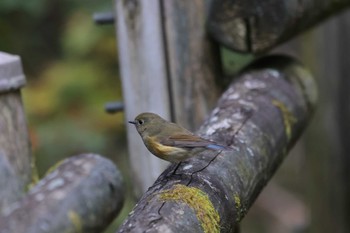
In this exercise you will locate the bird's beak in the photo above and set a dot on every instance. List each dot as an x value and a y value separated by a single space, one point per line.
132 122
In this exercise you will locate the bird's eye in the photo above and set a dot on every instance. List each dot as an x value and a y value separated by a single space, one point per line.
140 122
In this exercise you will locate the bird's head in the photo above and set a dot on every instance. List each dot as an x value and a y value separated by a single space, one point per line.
148 124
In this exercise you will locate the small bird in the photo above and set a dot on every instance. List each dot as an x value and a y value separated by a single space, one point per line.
169 141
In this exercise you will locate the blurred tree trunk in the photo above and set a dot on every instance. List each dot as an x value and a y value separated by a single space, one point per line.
325 51
342 118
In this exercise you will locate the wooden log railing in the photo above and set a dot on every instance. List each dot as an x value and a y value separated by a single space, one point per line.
260 115
83 194
254 26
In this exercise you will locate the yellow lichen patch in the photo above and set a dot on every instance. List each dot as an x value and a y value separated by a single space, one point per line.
53 167
288 118
237 205
35 174
237 201
75 220
199 202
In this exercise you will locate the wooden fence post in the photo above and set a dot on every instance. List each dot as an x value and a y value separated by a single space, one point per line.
144 79
15 154
194 62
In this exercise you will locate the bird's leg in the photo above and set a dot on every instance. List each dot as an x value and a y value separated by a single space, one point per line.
177 166
169 174
203 167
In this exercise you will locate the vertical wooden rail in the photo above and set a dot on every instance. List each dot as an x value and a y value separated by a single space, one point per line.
144 78
168 66
15 153
193 59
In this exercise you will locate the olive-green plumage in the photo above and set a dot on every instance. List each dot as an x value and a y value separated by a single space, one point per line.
170 141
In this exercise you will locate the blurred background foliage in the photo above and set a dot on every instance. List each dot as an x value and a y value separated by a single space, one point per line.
72 71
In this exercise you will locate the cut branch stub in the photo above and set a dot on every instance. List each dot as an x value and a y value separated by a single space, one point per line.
255 26
260 116
83 194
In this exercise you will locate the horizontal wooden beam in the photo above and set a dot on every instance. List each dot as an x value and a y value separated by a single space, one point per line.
254 26
83 194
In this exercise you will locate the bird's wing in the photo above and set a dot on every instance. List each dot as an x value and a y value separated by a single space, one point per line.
190 141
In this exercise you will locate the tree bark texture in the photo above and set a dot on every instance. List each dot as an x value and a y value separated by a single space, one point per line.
254 26
260 116
15 155
83 194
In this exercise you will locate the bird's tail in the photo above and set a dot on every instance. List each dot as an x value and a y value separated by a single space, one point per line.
218 147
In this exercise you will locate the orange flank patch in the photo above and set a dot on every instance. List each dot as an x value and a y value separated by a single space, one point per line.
169 153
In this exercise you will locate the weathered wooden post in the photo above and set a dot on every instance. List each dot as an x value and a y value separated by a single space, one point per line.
145 84
194 62
15 154
168 66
